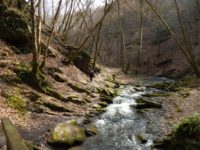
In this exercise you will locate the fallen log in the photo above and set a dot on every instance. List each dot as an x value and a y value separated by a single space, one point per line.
14 140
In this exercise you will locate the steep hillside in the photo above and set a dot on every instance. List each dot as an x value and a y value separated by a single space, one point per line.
159 55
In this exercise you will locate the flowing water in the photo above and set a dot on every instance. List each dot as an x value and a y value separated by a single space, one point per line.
121 123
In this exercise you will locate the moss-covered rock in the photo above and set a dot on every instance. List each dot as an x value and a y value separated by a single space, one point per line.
106 98
67 134
14 27
108 92
142 138
103 104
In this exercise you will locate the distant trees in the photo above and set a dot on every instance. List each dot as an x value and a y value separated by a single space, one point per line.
187 47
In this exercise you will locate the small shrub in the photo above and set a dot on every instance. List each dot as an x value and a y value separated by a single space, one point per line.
188 128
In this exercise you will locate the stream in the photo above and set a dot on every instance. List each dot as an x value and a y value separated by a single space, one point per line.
121 124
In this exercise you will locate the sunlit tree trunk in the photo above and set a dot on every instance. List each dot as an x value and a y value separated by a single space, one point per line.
36 35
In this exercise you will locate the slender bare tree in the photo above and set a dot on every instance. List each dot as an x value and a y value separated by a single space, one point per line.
93 29
51 33
141 3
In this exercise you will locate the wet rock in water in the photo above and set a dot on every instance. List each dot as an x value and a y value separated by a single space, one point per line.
139 89
91 130
67 134
144 103
106 98
75 148
103 104
83 120
143 138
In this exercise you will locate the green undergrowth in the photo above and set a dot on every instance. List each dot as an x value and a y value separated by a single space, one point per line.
24 72
186 136
188 128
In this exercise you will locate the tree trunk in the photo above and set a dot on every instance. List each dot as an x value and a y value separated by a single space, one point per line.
51 34
44 12
97 47
141 37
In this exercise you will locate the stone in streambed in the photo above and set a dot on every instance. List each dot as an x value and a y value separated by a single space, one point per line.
91 130
67 134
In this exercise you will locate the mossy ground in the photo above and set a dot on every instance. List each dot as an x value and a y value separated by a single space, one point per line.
16 101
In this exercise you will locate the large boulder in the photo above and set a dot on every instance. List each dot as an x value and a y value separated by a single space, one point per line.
67 134
14 27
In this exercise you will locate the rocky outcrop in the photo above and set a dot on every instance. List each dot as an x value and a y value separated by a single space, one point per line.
14 27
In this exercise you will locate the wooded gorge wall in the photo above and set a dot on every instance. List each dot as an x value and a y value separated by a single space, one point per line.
159 55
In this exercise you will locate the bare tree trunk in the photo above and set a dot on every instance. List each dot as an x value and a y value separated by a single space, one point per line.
44 12
69 16
191 61
35 60
92 31
130 57
123 49
141 37
97 46
64 18
51 33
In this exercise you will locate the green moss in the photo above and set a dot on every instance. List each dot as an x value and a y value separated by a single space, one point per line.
76 87
10 77
106 98
189 127
16 101
103 104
